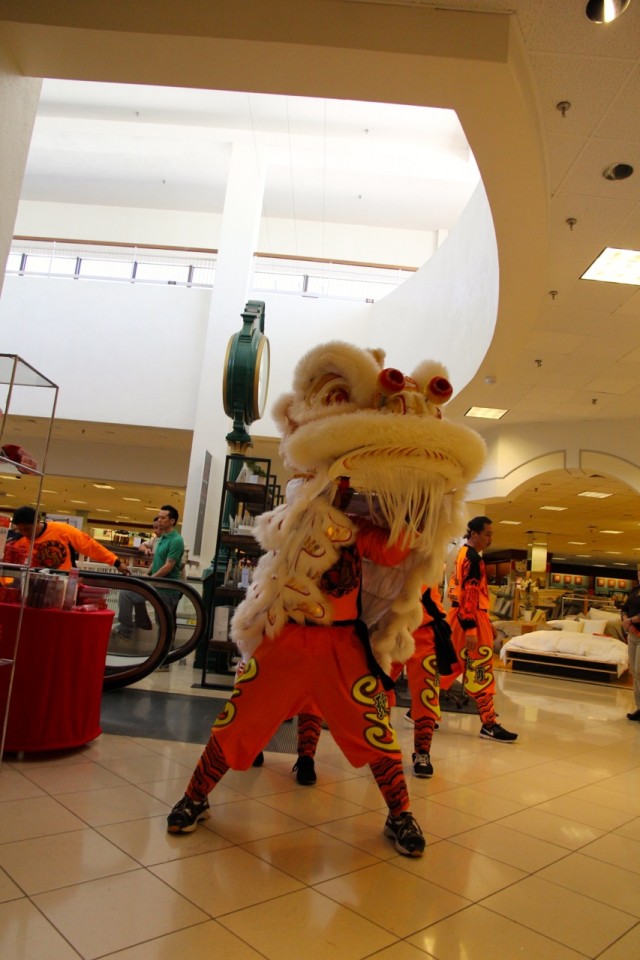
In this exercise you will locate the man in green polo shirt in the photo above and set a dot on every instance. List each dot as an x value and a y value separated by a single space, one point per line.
167 556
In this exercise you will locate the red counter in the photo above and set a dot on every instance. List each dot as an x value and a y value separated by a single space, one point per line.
57 683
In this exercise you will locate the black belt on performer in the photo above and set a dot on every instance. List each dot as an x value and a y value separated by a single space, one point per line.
362 632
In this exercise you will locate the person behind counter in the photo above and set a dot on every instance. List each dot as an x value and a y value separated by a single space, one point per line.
53 543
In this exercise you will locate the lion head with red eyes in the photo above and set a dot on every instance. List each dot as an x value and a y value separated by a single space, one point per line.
350 422
349 415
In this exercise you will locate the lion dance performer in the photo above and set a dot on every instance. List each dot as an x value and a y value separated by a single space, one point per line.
348 425
471 629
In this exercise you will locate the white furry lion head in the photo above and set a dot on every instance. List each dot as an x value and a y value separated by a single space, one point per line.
349 416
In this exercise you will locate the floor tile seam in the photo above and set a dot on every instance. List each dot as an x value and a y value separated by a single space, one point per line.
535 806
534 920
591 856
312 884
601 806
614 942
278 833
503 863
80 883
581 893
51 923
545 936
238 936
272 899
403 936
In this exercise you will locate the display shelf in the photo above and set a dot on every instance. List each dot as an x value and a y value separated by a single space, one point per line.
234 551
26 396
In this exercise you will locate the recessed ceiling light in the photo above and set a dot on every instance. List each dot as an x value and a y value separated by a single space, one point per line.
132 499
605 11
611 531
102 510
511 523
615 265
596 494
552 508
618 171
77 501
103 486
486 413
615 553
577 543
152 509
49 491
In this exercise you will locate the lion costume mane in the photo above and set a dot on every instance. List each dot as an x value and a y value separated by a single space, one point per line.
348 416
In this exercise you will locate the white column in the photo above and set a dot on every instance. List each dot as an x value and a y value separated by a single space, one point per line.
18 104
238 240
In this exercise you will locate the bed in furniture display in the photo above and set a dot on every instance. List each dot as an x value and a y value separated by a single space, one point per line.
571 653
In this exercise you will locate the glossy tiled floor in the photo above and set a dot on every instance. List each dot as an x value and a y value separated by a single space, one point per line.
533 848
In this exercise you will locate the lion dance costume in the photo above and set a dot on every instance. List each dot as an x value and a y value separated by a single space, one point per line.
349 424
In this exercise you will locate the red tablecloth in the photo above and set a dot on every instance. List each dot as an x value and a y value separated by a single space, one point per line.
57 684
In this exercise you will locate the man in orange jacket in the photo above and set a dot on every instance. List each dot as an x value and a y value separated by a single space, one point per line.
53 543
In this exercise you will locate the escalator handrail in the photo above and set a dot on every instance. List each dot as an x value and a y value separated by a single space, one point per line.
126 676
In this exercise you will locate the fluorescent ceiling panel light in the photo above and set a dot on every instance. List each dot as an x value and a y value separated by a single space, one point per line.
611 531
102 510
152 509
49 491
77 501
595 494
553 508
132 499
586 555
615 553
615 265
577 543
511 523
103 486
485 413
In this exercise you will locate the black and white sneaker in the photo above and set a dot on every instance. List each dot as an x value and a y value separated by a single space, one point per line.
422 767
406 833
305 771
496 732
186 815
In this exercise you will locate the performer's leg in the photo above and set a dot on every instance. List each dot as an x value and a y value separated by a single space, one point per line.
480 684
270 690
424 686
356 707
309 729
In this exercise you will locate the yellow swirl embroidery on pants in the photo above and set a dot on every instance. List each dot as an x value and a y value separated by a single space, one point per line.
225 716
228 712
378 731
430 696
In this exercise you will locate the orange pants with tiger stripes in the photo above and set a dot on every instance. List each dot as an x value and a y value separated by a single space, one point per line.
324 664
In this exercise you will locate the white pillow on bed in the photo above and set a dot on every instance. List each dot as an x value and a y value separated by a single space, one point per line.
574 625
593 627
595 614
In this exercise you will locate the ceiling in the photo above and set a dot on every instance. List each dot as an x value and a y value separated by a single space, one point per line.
580 359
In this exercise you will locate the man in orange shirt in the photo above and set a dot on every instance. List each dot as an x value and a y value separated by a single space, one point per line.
53 543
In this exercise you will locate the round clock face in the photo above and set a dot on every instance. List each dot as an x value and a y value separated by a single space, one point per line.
261 378
246 377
